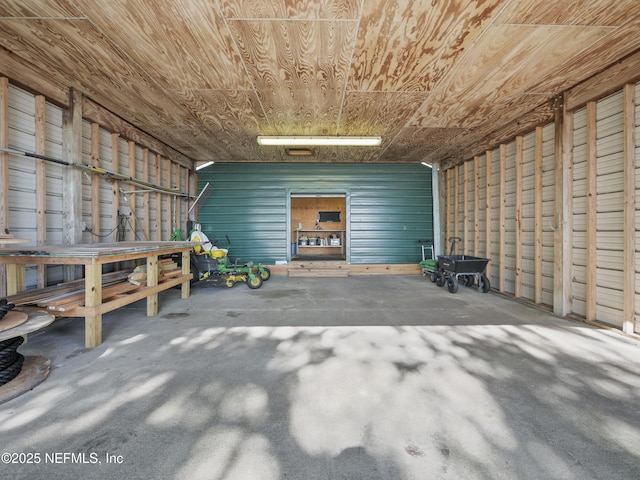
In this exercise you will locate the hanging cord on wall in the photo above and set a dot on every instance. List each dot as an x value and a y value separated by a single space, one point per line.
135 233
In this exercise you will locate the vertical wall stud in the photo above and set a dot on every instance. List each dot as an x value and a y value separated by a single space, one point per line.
158 225
131 198
456 193
503 211
4 171
95 182
450 204
538 172
145 195
465 208
629 243
562 242
488 217
476 204
115 189
41 184
518 218
72 178
591 220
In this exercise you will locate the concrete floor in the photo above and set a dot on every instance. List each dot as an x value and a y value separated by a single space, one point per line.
372 377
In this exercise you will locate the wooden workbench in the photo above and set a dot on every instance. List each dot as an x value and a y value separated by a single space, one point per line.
93 257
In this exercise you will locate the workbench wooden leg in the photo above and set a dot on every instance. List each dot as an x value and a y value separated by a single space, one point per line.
186 270
16 278
152 281
93 298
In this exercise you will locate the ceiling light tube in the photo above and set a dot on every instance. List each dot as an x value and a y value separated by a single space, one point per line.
199 167
311 141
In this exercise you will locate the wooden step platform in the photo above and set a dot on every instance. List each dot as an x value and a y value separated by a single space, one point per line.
318 269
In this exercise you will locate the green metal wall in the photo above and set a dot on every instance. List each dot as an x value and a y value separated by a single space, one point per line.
389 207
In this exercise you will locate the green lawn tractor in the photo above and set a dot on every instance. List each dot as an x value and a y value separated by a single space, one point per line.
211 264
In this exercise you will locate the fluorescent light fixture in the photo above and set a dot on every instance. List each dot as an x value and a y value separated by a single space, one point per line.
426 164
204 165
299 152
311 141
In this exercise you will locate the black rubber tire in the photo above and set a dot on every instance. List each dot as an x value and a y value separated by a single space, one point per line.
468 280
433 277
485 284
254 283
452 284
265 274
440 280
195 274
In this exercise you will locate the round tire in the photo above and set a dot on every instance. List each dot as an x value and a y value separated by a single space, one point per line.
440 280
468 280
452 284
255 282
195 273
485 285
433 277
265 274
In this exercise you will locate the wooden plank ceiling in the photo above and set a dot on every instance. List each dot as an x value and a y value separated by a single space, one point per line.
433 78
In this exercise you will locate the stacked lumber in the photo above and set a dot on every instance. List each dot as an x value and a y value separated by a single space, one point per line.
167 268
64 297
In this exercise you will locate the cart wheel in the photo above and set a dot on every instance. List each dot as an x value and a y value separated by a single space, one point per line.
440 280
265 274
433 276
484 284
468 280
452 284
255 282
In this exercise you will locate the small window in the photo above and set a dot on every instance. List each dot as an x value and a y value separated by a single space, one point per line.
329 216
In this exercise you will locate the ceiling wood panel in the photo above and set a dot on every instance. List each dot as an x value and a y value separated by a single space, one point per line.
570 12
479 83
436 79
182 44
300 69
405 46
291 9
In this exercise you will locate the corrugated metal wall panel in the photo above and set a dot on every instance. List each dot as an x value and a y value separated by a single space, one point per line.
528 216
53 148
548 211
22 171
459 227
469 242
610 201
510 215
482 206
106 162
579 251
637 222
86 180
389 207
495 217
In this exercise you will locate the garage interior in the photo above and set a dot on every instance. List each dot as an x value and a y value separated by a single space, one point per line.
512 125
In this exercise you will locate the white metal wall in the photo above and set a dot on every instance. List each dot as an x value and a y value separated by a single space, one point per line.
22 172
495 218
579 221
610 204
549 222
528 216
22 186
637 208
510 216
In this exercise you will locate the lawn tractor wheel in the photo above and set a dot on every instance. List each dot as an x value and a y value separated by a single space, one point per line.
255 282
